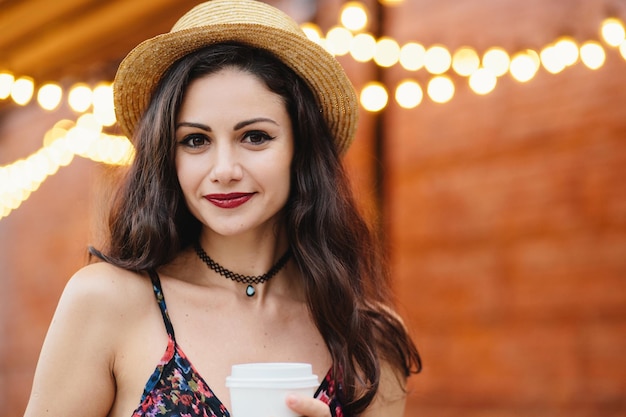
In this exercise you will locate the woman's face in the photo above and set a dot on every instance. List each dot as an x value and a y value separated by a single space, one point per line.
233 153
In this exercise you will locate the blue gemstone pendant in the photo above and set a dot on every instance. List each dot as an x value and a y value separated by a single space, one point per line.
250 291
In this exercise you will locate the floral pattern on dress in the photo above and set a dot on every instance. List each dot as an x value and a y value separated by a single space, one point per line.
175 389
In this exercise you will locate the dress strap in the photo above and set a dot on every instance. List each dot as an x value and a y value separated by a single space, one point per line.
158 293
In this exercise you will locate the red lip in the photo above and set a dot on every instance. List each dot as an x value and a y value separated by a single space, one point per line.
230 200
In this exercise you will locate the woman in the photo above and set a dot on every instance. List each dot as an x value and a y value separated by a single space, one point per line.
237 216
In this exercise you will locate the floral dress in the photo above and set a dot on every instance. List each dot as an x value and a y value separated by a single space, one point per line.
176 389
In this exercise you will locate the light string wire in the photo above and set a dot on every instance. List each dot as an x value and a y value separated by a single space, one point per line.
86 137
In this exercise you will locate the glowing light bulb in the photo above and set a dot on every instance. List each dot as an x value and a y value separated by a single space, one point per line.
437 59
613 31
592 55
80 98
523 67
465 61
483 81
412 56
497 60
49 96
551 59
6 82
374 97
363 47
103 108
22 90
441 89
567 50
338 41
409 94
354 16
387 52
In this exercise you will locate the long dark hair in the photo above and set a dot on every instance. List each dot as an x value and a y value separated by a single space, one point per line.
337 253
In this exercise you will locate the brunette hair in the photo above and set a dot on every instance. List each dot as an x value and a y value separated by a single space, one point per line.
336 251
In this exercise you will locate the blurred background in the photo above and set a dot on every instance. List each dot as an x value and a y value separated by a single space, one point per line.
491 152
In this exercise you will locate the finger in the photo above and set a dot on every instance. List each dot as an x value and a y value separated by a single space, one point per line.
309 407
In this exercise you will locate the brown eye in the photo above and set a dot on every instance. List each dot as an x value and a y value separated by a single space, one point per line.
257 137
194 141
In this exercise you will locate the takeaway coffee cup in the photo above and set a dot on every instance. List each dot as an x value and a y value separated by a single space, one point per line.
261 389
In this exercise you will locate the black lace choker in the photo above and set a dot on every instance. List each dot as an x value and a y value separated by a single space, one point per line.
244 279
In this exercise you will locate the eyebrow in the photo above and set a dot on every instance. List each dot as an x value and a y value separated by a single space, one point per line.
196 125
252 121
238 126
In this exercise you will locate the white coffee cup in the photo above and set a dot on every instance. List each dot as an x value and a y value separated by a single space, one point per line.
261 389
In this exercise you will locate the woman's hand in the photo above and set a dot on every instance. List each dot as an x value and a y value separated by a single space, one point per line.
309 407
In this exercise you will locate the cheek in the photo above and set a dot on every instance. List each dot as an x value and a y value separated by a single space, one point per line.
187 175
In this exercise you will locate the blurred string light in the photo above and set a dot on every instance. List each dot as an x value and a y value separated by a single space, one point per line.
592 55
354 16
86 138
387 52
61 143
412 56
49 96
481 73
441 89
66 139
22 90
613 32
409 94
437 59
465 61
374 96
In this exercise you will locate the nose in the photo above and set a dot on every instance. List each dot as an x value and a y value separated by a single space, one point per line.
225 164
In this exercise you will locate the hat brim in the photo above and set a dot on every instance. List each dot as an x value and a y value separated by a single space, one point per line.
140 72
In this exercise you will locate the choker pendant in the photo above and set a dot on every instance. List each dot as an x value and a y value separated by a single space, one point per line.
244 279
250 291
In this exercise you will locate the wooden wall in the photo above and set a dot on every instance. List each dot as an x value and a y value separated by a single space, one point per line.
507 220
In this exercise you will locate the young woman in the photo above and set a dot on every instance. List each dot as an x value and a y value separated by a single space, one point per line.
234 239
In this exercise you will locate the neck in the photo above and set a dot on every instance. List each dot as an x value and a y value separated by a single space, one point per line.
249 254
244 262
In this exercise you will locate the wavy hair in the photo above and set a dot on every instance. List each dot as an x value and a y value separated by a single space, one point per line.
336 251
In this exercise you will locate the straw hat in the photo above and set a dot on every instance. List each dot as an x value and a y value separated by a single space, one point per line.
245 21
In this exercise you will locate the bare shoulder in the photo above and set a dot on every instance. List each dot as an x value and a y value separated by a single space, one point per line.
103 284
100 295
390 399
80 349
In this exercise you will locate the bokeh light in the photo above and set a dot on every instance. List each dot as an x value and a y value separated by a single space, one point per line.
338 41
441 89
412 56
6 82
465 61
612 31
354 16
437 60
497 60
363 47
592 55
523 66
49 96
22 90
387 52
409 94
374 97
483 81
567 49
80 97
